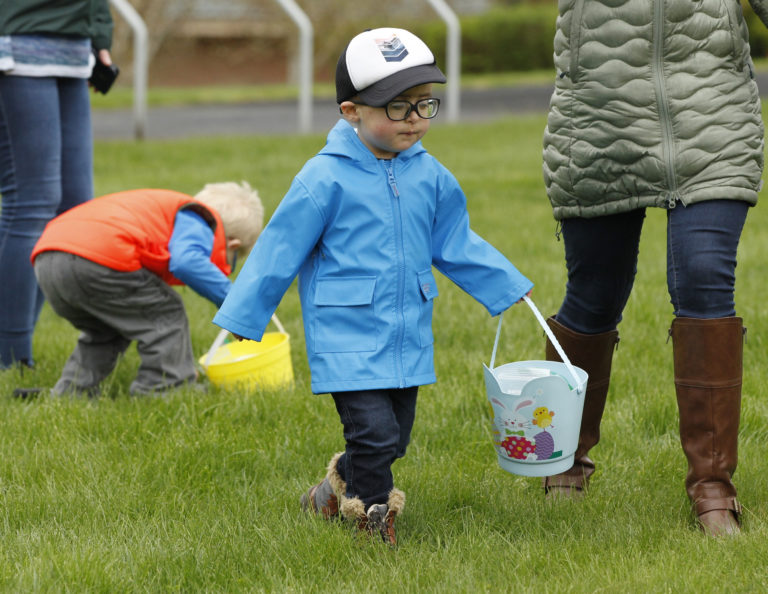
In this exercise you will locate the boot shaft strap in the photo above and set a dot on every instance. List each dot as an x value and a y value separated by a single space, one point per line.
724 503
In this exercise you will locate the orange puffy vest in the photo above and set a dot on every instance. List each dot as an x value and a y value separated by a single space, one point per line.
129 230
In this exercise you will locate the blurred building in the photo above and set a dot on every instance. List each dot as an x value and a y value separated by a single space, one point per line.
253 41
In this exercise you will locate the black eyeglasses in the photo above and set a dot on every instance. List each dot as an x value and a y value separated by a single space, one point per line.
400 109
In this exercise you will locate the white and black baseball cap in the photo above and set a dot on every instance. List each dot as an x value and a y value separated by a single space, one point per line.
379 64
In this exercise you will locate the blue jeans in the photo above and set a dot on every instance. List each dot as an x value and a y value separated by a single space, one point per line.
601 257
46 167
377 429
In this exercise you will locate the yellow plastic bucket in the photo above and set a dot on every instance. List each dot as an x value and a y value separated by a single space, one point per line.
249 364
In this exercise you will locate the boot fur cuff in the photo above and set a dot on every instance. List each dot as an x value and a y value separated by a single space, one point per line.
352 508
396 501
334 478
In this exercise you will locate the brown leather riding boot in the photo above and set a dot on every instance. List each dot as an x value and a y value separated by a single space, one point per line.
594 354
708 372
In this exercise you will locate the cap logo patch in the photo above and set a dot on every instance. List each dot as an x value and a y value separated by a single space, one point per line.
392 49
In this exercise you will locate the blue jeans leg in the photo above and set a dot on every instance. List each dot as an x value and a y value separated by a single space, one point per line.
46 167
702 240
377 429
601 258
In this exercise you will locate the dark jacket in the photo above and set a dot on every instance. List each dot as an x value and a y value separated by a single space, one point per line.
79 18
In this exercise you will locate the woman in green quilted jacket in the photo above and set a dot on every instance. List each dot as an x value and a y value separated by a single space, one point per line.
655 105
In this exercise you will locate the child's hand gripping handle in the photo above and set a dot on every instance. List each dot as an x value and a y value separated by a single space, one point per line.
222 337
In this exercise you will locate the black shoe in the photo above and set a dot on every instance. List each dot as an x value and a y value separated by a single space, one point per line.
21 364
24 393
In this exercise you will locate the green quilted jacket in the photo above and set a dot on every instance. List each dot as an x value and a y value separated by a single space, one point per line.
655 103
79 18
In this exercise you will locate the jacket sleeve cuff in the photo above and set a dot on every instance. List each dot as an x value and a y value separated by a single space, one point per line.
251 333
101 26
502 305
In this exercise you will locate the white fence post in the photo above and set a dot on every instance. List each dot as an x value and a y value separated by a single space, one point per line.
140 64
453 57
305 62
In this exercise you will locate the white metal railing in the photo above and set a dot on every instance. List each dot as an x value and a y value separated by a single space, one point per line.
305 61
453 58
140 64
305 78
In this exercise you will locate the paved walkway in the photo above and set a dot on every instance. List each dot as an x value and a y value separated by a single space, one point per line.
274 118
271 118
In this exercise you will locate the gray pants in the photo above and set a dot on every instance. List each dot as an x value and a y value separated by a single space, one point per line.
111 309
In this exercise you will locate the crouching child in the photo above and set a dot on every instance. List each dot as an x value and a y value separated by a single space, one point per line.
107 266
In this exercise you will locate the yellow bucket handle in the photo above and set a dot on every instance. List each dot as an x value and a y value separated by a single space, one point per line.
222 336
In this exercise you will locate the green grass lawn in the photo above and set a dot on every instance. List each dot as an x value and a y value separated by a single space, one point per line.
200 492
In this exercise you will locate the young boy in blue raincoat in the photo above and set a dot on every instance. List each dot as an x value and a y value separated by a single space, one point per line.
362 225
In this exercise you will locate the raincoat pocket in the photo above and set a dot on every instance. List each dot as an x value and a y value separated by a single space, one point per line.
345 321
428 289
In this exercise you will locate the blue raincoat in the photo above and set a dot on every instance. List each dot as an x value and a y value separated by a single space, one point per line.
363 235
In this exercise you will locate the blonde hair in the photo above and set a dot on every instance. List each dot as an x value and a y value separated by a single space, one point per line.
240 209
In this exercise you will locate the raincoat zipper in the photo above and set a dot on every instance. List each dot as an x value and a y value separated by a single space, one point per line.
398 228
667 137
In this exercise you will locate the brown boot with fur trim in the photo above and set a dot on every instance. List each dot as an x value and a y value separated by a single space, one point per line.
323 498
379 520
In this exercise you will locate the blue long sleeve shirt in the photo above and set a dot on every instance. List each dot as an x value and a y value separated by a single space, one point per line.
190 248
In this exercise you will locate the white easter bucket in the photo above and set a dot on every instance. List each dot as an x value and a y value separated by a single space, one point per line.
537 408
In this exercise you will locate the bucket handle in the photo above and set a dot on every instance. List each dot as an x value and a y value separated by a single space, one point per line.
550 335
222 336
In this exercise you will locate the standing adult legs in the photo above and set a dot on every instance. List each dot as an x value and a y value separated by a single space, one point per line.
76 143
45 167
702 241
601 257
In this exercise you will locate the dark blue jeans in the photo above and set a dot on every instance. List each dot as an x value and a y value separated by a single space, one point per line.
601 257
46 167
377 429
